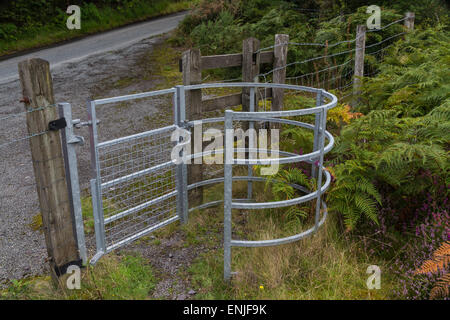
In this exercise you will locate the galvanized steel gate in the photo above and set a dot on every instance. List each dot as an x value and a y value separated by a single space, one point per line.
137 188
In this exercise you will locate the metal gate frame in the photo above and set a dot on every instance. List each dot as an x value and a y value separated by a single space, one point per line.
97 185
315 158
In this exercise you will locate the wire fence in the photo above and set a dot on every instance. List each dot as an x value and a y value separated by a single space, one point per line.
327 72
22 247
7 125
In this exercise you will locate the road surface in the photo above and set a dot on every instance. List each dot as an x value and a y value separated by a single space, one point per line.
115 63
103 42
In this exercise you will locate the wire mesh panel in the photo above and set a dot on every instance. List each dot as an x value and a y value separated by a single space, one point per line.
137 184
134 186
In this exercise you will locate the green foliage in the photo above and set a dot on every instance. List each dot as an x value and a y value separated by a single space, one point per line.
414 77
8 31
25 24
220 33
383 152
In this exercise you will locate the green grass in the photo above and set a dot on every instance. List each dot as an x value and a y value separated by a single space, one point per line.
114 277
93 20
329 265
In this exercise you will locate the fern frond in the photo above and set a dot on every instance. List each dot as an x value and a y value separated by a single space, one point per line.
443 250
440 260
441 289
367 206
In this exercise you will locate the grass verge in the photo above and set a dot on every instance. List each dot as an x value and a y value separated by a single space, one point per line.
328 265
115 277
93 20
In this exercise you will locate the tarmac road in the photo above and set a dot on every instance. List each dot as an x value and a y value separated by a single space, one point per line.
103 42
105 65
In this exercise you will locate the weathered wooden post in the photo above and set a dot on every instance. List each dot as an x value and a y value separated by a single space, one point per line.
48 164
251 60
192 74
359 62
250 68
279 75
409 21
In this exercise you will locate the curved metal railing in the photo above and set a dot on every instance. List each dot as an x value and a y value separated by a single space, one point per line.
107 187
315 158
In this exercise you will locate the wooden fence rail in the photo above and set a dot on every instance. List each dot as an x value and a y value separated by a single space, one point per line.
193 63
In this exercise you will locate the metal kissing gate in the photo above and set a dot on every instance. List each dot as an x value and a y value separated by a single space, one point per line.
137 188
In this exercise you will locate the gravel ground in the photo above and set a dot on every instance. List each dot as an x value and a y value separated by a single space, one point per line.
22 249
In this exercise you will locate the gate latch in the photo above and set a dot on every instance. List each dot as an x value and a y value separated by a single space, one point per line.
77 123
77 140
58 124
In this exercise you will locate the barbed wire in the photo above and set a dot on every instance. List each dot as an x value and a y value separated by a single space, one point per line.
317 44
388 25
28 111
387 39
328 56
305 61
320 71
376 52
23 138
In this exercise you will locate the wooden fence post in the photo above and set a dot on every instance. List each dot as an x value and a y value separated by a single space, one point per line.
48 164
359 62
192 74
279 75
409 22
250 68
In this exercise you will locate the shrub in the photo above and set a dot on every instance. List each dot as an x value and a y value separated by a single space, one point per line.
8 31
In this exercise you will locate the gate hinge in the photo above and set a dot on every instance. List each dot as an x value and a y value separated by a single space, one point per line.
58 124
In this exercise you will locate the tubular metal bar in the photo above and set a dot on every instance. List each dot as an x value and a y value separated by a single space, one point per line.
70 160
323 123
245 178
137 174
292 159
213 203
251 144
316 130
181 181
228 185
277 120
97 203
98 217
182 168
328 95
297 157
140 207
133 96
136 136
285 203
273 242
142 233
96 257
206 205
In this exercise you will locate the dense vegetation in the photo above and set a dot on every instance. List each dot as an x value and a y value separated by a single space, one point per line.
25 24
390 165
391 160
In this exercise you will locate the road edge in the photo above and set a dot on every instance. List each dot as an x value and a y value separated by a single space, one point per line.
82 37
